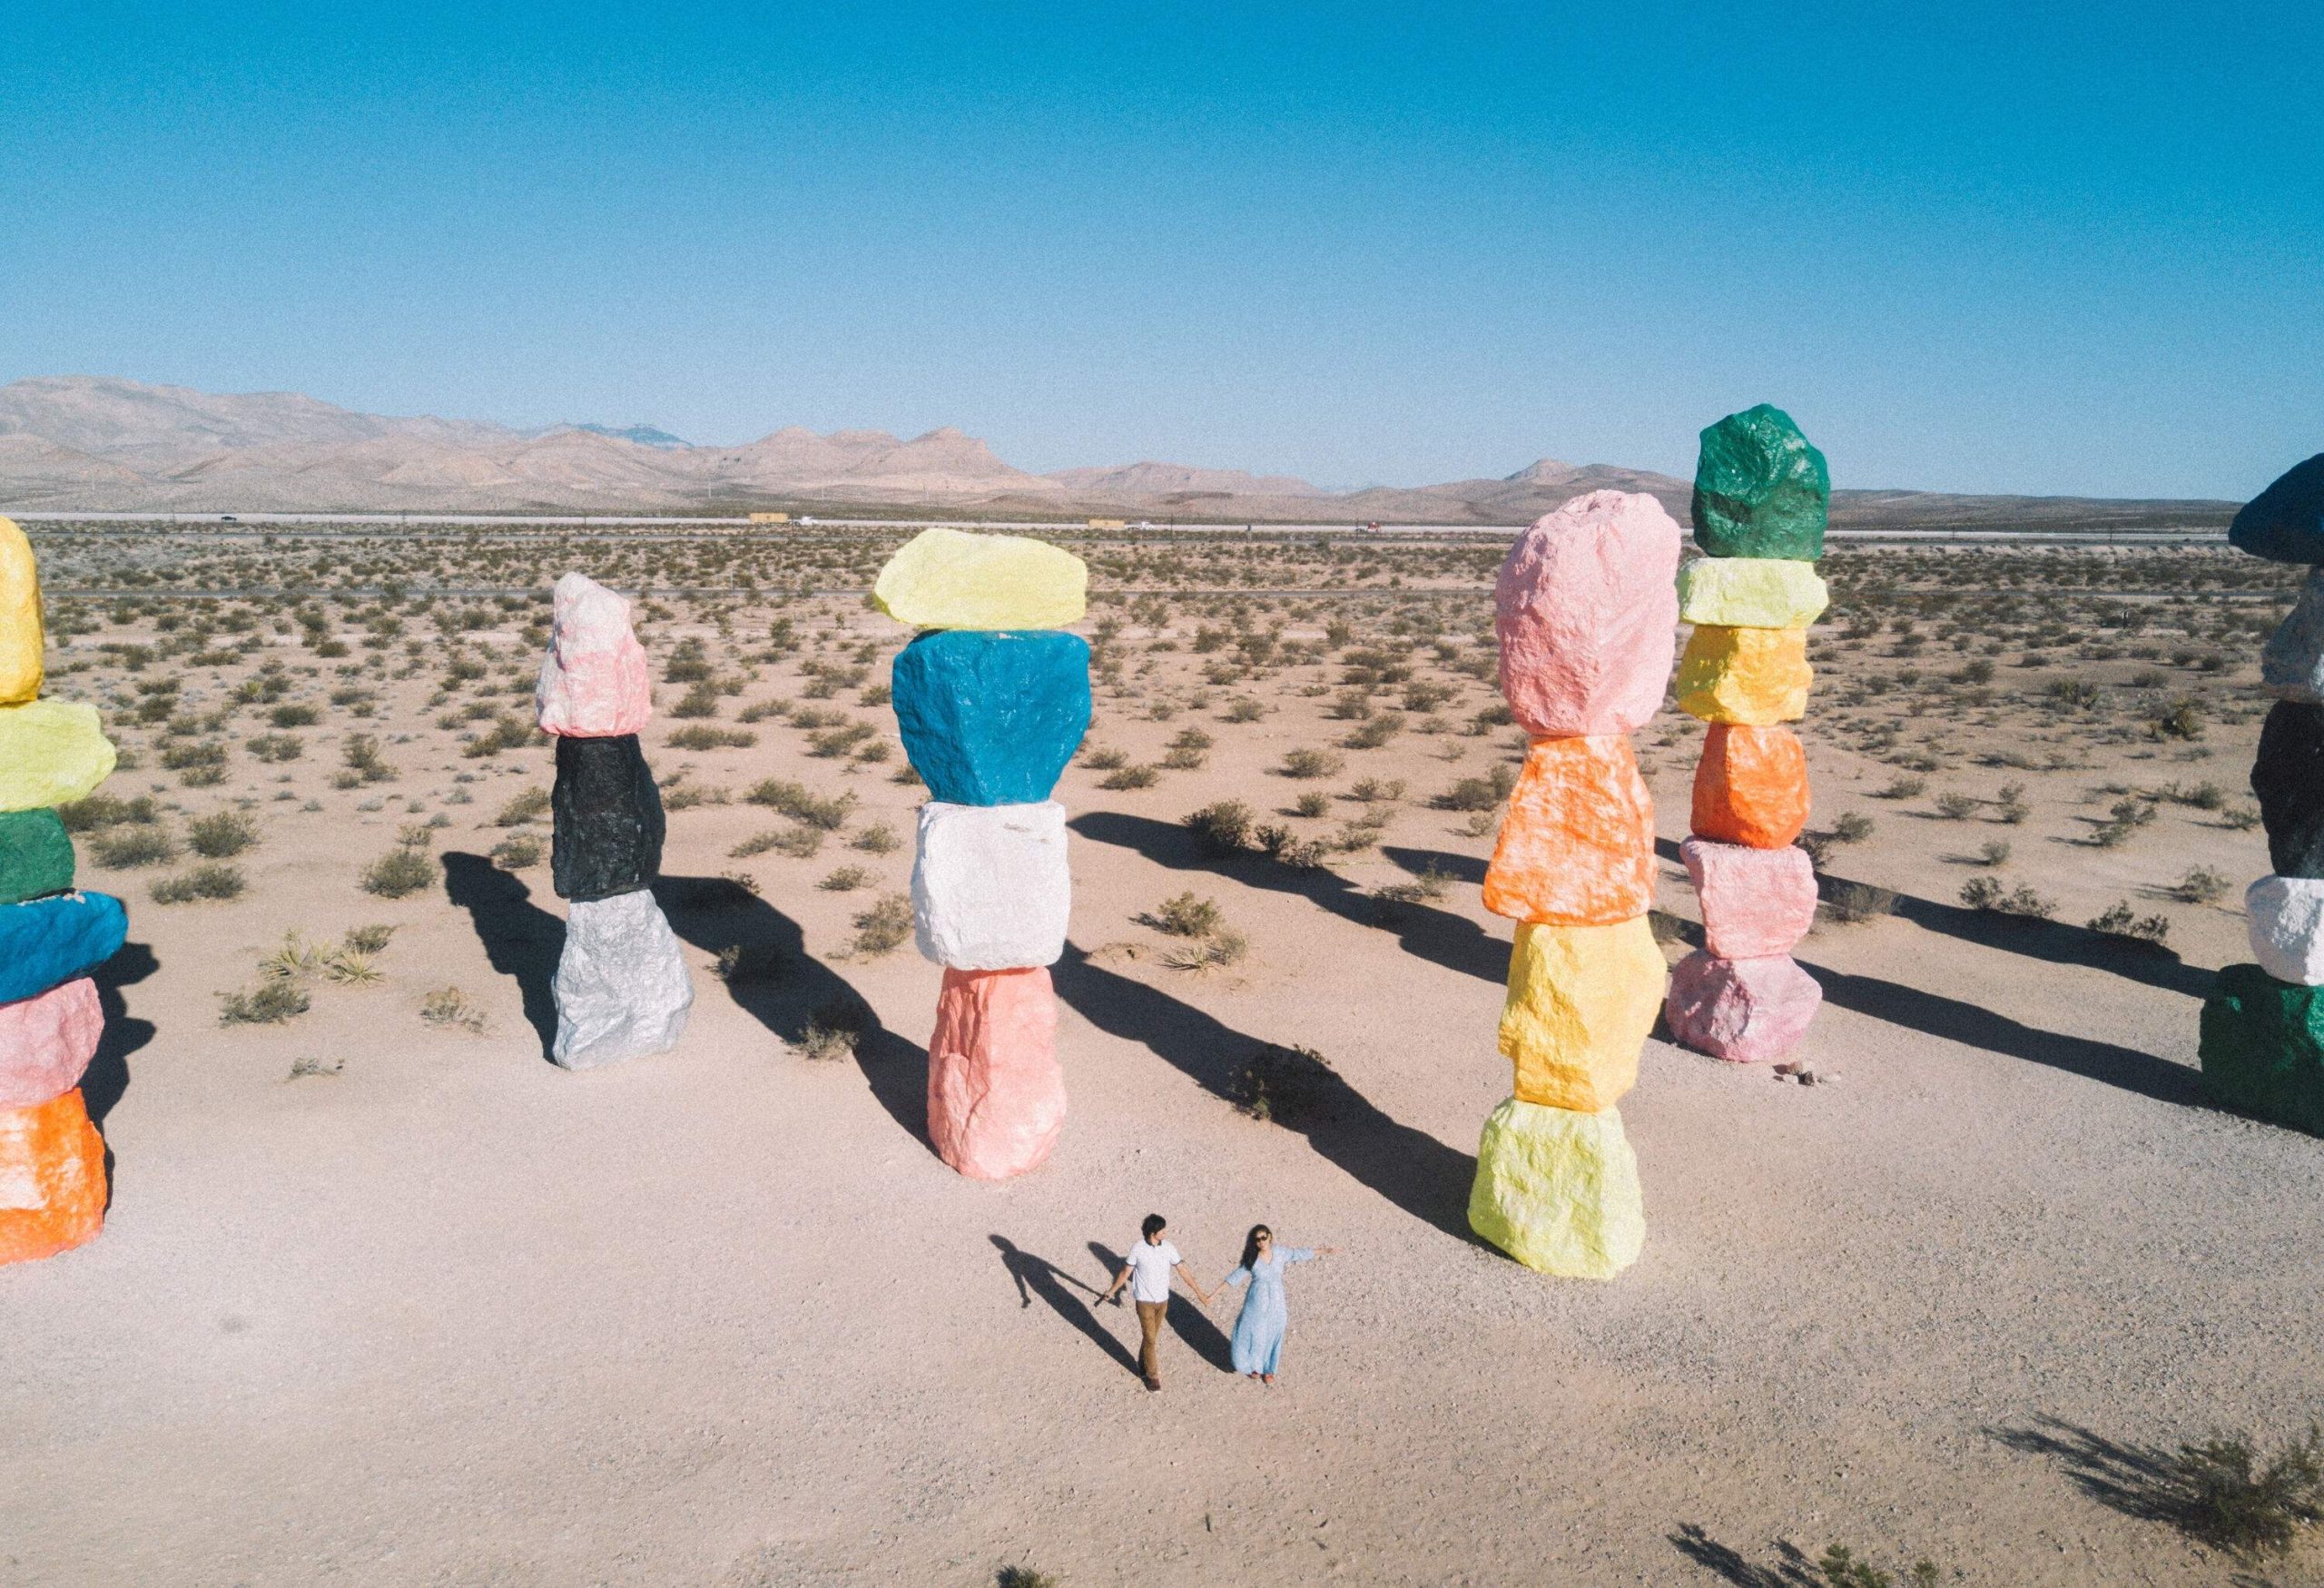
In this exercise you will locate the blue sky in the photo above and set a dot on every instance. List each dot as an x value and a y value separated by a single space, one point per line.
1988 247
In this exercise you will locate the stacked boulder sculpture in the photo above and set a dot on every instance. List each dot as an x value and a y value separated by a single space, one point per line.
991 697
622 987
1761 494
1586 614
51 1160
2263 1035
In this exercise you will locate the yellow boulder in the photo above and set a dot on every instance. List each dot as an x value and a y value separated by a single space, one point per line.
1559 1190
52 753
946 578
1581 1002
1753 676
20 630
1751 592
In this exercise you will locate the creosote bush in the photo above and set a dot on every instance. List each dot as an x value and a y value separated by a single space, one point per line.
212 882
221 835
1185 915
401 872
1222 828
885 927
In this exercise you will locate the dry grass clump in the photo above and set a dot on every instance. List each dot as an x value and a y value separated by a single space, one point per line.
519 851
845 880
1285 1084
130 845
1222 828
528 806
221 834
878 838
448 1007
798 841
1185 915
102 811
883 927
835 1031
212 882
829 812
703 736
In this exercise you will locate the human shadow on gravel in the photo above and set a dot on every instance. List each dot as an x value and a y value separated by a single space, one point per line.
1792 1568
1188 1322
1425 933
520 939
107 1076
1040 1276
1410 1168
777 982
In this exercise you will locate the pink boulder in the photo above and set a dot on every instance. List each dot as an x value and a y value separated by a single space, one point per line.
1755 901
1743 1011
1587 613
46 1043
593 683
996 1094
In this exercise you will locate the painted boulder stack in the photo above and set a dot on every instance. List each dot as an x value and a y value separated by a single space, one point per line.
1585 614
1761 494
991 697
52 1160
622 987
2263 1040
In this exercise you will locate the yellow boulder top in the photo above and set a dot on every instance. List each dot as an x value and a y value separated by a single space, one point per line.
1582 1000
52 753
1751 592
1755 677
1559 1190
20 629
947 578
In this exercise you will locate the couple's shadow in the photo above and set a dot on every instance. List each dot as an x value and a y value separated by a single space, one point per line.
1040 1276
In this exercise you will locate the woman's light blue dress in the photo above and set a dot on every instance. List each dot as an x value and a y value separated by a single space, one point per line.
1258 1328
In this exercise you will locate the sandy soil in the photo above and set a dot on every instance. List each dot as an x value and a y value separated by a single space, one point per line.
449 1316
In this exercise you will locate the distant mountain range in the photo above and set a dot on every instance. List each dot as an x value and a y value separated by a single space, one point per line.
94 443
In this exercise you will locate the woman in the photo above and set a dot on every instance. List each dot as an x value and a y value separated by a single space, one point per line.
1258 1330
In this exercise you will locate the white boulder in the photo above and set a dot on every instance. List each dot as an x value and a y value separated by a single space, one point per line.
2286 927
2292 662
990 888
621 988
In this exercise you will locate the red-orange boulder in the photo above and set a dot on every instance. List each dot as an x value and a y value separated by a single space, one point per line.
1750 787
52 1179
995 1093
1577 844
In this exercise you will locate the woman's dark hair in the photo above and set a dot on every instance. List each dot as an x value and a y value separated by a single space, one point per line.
1251 1243
1155 1224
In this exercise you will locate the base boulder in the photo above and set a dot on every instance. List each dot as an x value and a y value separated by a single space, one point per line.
1746 1011
1559 1190
622 987
2262 1048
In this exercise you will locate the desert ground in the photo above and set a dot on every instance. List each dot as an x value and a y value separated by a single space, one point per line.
384 1297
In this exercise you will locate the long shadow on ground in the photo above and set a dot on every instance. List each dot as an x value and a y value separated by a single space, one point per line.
1186 1320
1410 1168
1792 1569
107 1076
2141 1481
1040 1276
520 939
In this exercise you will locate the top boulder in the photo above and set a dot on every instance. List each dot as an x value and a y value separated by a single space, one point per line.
1587 615
2285 523
20 630
945 579
1761 489
593 681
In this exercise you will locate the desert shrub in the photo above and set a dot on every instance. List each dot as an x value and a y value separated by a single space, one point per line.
835 1031
1372 791
270 1004
123 847
1220 948
2241 818
1221 829
1244 709
1856 903
308 1066
883 928
2225 1493
518 851
221 834
2203 797
528 806
878 838
1290 1085
760 711
401 872
1427 885
363 762
101 811
276 748
1311 763
829 812
1955 806
1994 851
799 841
1478 793
448 1006
294 716
700 701
1852 827
214 881
1375 732
192 756
367 939
1179 758
2182 719
508 732
1280 844
1104 758
2118 919
1988 894
2011 806
1840 1568
703 736
1128 777
1902 788
1312 804
845 880
1185 915
2200 885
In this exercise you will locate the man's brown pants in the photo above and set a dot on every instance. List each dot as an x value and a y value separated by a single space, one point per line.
1149 1331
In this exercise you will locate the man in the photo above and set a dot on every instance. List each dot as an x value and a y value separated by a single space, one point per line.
1147 1272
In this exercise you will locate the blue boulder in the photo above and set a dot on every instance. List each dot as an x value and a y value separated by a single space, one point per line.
46 942
991 717
2285 523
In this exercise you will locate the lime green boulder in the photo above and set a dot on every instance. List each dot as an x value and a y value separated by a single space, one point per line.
2262 1048
36 856
1751 592
52 753
1558 1191
1761 489
947 578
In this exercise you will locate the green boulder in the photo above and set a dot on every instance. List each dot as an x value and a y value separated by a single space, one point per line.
35 855
2262 1048
1761 489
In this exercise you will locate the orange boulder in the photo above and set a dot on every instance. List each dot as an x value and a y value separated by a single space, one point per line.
52 1179
1577 844
1750 787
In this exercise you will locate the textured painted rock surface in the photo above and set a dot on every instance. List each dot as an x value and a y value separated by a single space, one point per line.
1755 901
622 987
1761 489
52 753
2262 1048
2285 523
949 578
46 1043
593 681
35 855
52 1179
991 718
2288 777
1586 610
1581 1005
1559 1190
2284 917
990 887
2292 662
996 1092
1753 676
20 624
1744 1011
1751 592
607 821
1577 843
45 942
1750 787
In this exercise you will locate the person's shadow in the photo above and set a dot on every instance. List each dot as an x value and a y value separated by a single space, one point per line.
1185 1320
1040 1276
520 939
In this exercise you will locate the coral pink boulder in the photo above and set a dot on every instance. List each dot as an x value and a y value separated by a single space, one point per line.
1587 613
1755 901
593 681
46 1043
996 1094
1743 1011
